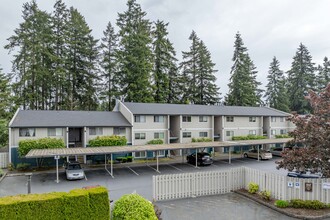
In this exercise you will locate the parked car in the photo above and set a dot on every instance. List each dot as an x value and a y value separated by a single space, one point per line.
306 175
203 158
263 155
279 150
74 171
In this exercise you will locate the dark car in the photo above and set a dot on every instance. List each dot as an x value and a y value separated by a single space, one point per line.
203 158
305 175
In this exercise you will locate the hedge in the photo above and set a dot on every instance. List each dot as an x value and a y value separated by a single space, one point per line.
104 141
156 141
248 137
24 146
282 136
201 139
77 204
133 207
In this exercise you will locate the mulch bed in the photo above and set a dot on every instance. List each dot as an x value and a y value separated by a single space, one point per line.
292 212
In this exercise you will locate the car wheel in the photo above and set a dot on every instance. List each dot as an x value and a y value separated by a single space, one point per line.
245 155
260 158
199 163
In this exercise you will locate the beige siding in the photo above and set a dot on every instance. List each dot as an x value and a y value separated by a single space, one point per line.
126 112
149 134
195 134
108 131
196 124
40 133
242 122
240 132
150 124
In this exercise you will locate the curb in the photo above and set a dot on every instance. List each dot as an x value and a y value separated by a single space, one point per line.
3 176
281 210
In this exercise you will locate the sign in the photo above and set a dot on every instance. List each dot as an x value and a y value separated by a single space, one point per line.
308 187
290 184
297 185
326 185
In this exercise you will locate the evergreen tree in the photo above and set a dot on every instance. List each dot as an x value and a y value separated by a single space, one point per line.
301 78
276 94
5 108
243 86
165 76
110 79
323 77
135 54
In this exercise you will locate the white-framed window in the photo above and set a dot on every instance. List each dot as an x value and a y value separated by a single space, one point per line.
140 154
140 136
186 134
96 131
203 134
159 118
55 131
283 131
139 118
159 135
273 132
273 119
121 131
252 119
27 132
229 133
161 153
252 132
230 119
203 118
282 119
186 118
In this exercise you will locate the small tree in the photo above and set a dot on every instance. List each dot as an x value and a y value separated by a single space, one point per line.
314 131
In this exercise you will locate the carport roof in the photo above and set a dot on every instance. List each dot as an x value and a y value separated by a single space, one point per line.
40 153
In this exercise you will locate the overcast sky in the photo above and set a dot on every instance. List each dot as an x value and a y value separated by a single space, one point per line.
268 27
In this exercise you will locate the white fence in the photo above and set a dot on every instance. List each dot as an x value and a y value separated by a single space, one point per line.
4 160
176 186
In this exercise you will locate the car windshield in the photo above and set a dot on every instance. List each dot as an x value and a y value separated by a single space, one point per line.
74 167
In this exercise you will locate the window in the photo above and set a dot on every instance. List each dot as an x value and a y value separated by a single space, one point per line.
273 132
161 153
159 118
140 136
186 118
159 135
96 131
252 119
230 119
252 132
203 134
283 131
202 118
55 132
140 154
229 133
186 134
119 131
27 132
273 119
282 119
140 118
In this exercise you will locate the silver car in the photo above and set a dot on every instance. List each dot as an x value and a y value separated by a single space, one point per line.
74 171
263 155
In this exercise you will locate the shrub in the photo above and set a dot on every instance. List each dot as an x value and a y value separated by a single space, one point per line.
248 137
307 204
204 139
105 141
253 188
282 136
23 166
156 141
281 203
265 194
133 206
24 146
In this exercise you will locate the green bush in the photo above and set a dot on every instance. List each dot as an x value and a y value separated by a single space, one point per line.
307 204
24 146
253 188
104 141
156 141
265 194
204 139
281 203
248 137
23 166
133 207
282 136
77 204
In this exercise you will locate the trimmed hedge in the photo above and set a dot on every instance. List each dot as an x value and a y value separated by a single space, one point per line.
24 146
133 206
248 137
201 139
282 136
77 204
156 141
104 141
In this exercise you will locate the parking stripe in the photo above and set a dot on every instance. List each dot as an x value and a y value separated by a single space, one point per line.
174 167
154 169
194 166
133 171
214 165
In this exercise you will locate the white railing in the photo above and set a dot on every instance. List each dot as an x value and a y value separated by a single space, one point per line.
4 158
176 186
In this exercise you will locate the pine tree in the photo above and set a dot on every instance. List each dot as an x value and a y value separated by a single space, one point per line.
5 108
301 78
276 94
323 77
135 54
165 76
110 79
243 86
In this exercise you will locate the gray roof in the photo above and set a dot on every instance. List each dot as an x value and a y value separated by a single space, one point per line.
49 118
182 109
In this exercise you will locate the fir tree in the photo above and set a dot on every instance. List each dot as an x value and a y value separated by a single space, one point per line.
276 94
323 77
135 54
5 108
301 78
243 86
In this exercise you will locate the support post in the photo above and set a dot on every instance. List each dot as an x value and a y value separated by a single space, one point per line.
229 155
196 157
157 161
258 153
29 175
57 176
111 166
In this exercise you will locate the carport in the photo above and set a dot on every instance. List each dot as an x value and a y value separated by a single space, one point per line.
64 152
